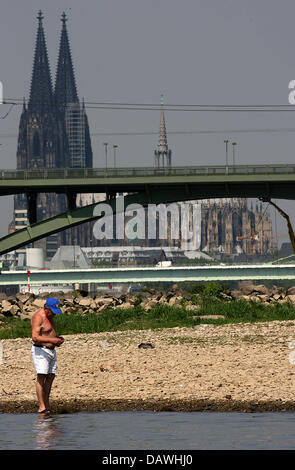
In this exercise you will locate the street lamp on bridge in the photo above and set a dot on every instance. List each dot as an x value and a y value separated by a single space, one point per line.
226 152
234 157
115 148
106 152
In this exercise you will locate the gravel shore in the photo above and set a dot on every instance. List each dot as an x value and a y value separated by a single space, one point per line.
244 367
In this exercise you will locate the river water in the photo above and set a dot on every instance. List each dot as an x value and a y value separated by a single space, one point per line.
149 430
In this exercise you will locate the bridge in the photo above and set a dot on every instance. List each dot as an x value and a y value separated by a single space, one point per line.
272 181
140 274
145 185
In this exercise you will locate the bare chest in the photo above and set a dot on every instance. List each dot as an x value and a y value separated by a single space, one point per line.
47 327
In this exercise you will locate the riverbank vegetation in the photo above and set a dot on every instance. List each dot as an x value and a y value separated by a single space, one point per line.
210 308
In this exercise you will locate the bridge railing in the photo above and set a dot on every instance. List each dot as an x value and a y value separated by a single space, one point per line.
64 173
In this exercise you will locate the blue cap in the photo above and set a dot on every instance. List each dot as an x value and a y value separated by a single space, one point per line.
53 304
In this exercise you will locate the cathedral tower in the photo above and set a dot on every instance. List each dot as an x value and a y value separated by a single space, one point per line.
70 110
40 139
53 133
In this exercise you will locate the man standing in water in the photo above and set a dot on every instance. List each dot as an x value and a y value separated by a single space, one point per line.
43 350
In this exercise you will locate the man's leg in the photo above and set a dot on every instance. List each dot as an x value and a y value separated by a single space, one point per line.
40 390
47 388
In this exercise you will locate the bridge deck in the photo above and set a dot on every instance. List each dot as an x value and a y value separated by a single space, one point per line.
215 181
143 185
141 274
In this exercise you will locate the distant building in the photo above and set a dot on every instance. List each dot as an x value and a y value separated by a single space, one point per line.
229 226
226 226
69 257
216 226
133 255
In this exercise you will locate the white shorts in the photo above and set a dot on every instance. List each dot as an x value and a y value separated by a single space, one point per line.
44 360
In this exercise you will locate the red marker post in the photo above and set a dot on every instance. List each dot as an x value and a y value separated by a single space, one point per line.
29 274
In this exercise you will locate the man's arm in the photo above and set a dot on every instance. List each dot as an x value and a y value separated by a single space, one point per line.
36 333
59 337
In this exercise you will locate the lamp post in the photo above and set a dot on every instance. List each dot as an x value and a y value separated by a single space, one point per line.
115 148
234 157
106 152
226 152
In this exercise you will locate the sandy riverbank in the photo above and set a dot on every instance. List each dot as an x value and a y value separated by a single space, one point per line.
243 367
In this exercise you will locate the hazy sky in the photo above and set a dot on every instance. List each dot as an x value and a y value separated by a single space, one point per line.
191 51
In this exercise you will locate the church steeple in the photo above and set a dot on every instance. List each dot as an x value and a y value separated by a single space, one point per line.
162 153
41 96
65 85
162 142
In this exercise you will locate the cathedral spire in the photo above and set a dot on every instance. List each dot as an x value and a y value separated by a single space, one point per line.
65 85
162 150
41 96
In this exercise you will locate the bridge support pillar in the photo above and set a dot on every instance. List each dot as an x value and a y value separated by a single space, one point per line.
111 195
71 199
32 207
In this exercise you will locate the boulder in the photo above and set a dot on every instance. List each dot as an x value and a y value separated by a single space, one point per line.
277 290
291 298
39 302
23 297
225 296
126 305
69 301
108 301
276 296
255 298
247 290
85 301
261 289
245 297
169 294
102 308
263 297
6 306
246 287
99 300
21 305
175 287
236 294
31 309
291 291
175 300
14 309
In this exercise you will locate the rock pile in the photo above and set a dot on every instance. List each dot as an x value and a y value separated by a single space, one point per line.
261 293
24 305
